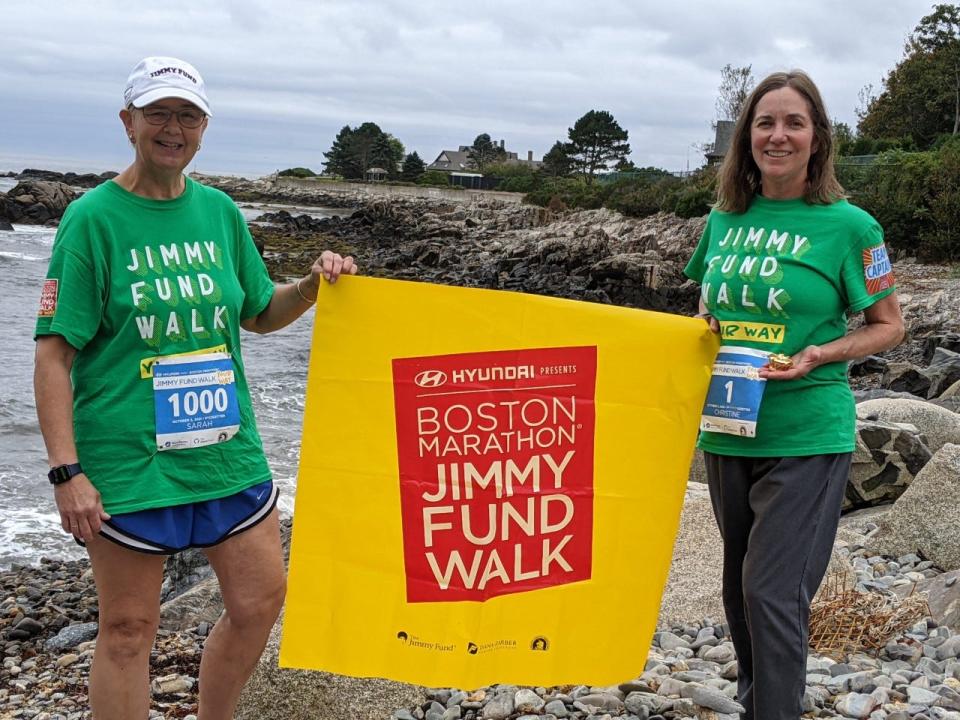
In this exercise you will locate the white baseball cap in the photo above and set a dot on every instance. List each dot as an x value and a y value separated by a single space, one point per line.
156 78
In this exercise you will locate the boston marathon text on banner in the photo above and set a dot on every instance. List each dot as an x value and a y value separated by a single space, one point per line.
490 484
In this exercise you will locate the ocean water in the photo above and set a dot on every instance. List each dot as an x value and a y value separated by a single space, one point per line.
29 523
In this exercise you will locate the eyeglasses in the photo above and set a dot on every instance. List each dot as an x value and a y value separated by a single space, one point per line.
189 118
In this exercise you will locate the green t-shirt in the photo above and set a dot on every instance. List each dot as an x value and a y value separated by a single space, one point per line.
131 279
780 277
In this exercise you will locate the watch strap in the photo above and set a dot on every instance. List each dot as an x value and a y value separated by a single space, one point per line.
62 473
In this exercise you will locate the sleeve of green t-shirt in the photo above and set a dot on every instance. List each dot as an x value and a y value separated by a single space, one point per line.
74 291
696 268
863 277
254 279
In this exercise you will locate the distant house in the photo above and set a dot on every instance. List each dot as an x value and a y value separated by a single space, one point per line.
721 142
458 161
376 174
453 160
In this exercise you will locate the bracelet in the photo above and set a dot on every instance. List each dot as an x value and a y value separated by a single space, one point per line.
302 296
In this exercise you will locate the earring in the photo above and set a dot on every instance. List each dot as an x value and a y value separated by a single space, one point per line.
199 145
130 138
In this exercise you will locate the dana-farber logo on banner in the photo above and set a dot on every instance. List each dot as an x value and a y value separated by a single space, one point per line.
495 453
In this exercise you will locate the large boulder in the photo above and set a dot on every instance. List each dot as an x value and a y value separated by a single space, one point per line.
948 340
36 202
943 371
887 458
943 597
938 425
202 603
905 377
924 520
84 180
275 692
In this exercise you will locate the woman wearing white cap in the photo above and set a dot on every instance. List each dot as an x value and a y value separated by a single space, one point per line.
143 401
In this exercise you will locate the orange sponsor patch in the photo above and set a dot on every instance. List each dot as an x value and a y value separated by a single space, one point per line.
48 298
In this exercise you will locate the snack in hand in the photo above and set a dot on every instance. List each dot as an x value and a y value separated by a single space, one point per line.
778 361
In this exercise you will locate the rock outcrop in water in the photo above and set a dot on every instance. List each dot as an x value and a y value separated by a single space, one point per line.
36 202
81 180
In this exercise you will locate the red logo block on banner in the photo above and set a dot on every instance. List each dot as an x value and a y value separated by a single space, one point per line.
495 453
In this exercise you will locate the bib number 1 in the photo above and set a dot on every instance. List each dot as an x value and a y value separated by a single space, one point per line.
735 392
195 397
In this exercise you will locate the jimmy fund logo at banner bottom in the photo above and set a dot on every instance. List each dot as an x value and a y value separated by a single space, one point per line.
495 453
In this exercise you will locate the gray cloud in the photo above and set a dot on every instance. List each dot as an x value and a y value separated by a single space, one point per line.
284 76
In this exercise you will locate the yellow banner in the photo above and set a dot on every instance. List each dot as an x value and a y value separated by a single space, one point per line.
489 485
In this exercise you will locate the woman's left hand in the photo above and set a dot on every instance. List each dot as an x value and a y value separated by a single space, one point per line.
803 362
331 265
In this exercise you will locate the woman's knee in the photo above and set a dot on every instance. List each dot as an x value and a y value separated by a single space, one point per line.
260 606
127 636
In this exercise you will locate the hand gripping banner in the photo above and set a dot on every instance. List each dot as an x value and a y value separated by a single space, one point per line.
489 485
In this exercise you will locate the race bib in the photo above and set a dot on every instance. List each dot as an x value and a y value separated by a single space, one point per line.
735 392
195 397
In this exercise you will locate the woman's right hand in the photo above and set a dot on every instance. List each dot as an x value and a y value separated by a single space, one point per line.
81 511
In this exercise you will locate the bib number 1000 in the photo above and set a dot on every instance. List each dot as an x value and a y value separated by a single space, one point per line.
195 400
206 401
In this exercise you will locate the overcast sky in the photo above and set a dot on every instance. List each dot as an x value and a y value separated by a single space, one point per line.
284 76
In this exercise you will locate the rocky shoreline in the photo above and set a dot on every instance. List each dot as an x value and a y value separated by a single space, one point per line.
47 621
899 536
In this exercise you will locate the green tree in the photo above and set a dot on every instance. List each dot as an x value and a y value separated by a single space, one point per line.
484 152
434 178
939 34
596 140
338 157
843 138
356 150
513 177
735 86
368 146
413 167
397 150
300 172
557 162
920 99
625 165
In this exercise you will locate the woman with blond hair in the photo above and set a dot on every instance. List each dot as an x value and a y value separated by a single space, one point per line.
783 260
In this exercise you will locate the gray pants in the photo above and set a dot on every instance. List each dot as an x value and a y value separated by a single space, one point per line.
778 519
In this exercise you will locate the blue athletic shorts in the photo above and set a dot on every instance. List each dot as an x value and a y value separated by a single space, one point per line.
167 530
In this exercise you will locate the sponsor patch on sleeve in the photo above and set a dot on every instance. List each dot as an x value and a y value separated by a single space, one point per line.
48 298
877 270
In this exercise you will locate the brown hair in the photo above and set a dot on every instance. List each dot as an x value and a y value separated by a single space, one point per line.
739 177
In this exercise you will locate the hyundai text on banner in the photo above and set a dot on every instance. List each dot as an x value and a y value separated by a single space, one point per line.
490 484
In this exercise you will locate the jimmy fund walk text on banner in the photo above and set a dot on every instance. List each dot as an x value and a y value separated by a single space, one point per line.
489 485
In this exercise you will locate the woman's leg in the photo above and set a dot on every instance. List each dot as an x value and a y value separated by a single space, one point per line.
252 579
128 590
729 479
796 506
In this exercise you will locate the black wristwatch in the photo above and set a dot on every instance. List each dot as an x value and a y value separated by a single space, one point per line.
61 473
